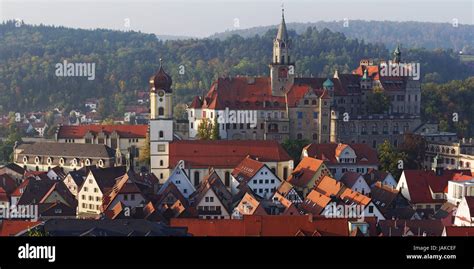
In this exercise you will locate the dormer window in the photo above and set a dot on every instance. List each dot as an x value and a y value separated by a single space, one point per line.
49 160
37 160
74 162
25 159
101 163
88 162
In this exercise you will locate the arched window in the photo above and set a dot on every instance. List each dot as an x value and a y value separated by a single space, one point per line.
161 134
161 111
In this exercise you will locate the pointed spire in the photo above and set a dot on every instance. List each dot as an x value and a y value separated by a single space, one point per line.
282 33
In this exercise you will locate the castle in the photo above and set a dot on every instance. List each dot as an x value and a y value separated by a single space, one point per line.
319 110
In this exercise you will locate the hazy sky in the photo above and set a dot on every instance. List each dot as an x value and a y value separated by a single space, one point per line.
203 18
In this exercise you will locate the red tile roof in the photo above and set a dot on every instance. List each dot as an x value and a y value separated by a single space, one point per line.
350 178
305 171
329 151
420 182
7 183
459 231
252 225
3 195
329 186
224 153
247 169
13 227
124 131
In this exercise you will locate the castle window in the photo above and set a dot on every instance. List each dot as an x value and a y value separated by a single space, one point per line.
161 111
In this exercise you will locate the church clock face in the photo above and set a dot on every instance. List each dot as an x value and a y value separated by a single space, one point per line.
161 93
282 72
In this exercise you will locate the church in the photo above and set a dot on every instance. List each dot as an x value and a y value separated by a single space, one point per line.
317 109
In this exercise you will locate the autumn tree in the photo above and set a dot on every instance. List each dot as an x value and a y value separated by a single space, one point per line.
390 159
204 130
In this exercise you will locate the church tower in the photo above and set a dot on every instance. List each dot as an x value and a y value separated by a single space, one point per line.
282 73
161 122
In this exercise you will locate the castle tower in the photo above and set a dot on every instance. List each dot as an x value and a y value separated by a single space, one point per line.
397 55
282 71
325 113
161 122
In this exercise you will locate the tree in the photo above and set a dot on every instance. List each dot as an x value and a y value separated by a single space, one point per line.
390 159
294 148
377 101
144 157
215 130
414 147
204 129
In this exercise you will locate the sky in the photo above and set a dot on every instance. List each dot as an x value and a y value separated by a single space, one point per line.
203 18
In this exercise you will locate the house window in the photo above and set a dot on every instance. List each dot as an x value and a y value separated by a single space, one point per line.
196 178
227 178
161 134
371 209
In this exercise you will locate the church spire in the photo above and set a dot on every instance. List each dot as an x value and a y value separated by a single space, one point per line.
282 33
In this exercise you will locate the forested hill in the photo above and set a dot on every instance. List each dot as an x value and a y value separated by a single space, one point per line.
126 60
412 34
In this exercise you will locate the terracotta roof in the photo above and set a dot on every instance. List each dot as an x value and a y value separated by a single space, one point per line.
305 171
123 185
350 178
214 182
329 151
7 183
247 169
315 203
374 175
420 182
459 231
15 167
349 196
60 188
252 225
383 195
3 195
284 188
416 227
14 227
35 190
224 153
329 186
106 177
124 131
196 103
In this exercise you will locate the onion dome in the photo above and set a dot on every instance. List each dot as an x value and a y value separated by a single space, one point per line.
161 80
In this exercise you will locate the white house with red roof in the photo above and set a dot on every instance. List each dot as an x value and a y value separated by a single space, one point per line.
181 180
340 158
355 182
426 189
257 176
465 212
